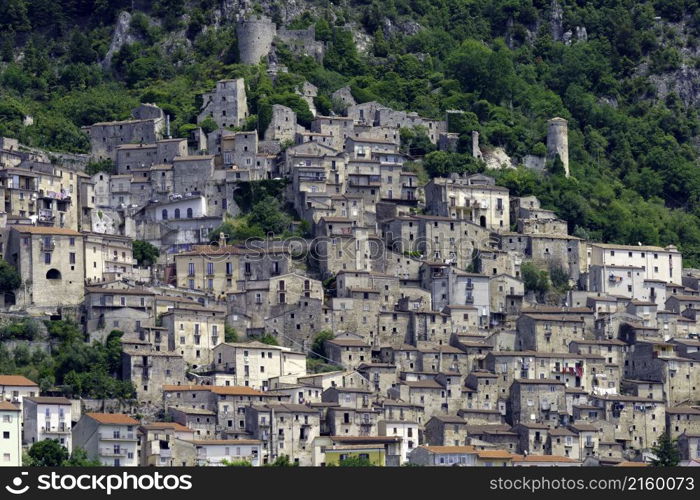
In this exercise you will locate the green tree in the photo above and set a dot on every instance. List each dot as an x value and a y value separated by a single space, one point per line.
66 331
535 280
208 125
267 338
48 453
666 451
556 166
356 461
559 278
268 216
79 458
145 253
381 47
318 348
10 279
236 463
96 166
230 334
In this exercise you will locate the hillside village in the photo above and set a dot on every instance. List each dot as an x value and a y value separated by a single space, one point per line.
392 320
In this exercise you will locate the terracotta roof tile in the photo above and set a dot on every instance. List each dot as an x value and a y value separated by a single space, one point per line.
112 418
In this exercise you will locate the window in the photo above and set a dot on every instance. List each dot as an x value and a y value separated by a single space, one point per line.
47 258
164 214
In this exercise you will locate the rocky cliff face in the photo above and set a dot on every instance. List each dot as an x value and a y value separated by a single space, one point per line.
122 36
685 82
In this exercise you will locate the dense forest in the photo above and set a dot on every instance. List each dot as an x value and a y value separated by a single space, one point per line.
633 148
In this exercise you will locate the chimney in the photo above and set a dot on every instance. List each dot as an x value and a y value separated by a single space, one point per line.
222 239
167 126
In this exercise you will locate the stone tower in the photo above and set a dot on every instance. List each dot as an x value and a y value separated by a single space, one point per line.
255 36
558 141
476 151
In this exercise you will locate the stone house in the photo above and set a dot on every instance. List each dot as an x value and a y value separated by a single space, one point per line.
445 430
110 438
156 443
658 361
537 400
506 297
482 390
202 422
532 437
352 422
14 388
283 124
563 442
47 418
358 398
689 446
548 332
107 258
683 420
284 429
474 198
106 137
226 104
125 309
347 351
150 370
381 376
220 270
252 364
450 286
638 421
194 331
428 393
658 263
50 262
213 452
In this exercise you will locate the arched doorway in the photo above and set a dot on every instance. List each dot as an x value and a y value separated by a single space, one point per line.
53 274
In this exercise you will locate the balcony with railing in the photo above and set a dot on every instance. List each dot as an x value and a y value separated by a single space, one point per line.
46 215
127 436
48 245
112 452
363 180
341 231
61 428
312 177
55 195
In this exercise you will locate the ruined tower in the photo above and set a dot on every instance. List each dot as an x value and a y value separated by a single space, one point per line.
476 151
255 36
558 141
